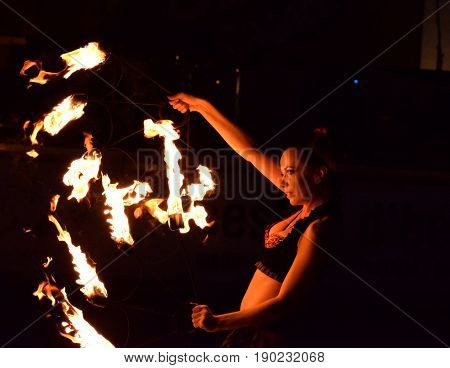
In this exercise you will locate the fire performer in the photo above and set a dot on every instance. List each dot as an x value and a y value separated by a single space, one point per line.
278 296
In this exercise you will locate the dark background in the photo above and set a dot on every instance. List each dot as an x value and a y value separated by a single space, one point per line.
390 128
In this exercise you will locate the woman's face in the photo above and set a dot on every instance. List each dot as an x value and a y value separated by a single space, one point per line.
296 182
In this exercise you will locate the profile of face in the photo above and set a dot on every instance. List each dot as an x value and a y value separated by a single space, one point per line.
299 181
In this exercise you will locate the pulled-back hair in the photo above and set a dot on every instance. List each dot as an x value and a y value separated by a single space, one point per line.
321 147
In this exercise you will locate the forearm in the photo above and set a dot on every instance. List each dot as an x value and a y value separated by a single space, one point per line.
236 138
260 314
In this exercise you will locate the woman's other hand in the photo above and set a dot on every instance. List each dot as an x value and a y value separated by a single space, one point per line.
184 102
203 318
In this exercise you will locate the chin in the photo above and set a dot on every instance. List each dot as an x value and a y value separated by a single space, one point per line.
293 202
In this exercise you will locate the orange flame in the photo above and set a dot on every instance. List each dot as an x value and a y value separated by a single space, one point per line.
88 278
196 192
172 156
117 199
54 202
75 327
88 142
47 263
81 172
86 57
26 125
42 77
62 114
152 207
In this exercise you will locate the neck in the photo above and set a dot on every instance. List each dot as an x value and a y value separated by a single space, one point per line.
313 204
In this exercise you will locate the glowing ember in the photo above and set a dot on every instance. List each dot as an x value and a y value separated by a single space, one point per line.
86 57
62 114
88 278
116 199
54 202
47 263
33 153
81 172
75 327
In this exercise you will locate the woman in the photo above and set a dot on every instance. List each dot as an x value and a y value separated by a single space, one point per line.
294 247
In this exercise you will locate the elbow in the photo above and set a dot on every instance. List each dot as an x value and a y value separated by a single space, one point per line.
249 154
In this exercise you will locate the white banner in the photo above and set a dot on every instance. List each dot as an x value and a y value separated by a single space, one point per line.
128 358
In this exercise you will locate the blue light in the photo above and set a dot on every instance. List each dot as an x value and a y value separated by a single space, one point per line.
355 81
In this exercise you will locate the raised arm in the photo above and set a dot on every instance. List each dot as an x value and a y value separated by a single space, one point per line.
236 138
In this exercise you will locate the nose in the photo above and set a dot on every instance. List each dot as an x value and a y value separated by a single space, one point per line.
283 183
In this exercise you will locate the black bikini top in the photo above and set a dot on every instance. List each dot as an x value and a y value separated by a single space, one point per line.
279 252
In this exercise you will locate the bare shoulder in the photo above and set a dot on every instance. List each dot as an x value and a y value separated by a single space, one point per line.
319 226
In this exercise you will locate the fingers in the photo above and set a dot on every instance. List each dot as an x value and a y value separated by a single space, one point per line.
179 105
176 96
198 308
199 313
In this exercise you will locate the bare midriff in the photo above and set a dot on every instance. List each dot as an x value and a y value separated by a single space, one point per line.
261 288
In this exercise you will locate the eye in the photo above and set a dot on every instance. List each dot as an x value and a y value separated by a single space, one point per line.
290 171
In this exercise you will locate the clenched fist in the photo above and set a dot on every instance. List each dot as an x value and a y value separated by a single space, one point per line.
203 318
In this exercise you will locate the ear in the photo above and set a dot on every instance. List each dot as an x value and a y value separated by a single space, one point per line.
320 174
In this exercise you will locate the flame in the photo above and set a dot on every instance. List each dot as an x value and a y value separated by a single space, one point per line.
88 278
172 156
81 172
86 57
46 263
43 77
33 153
62 114
196 192
198 214
117 199
54 202
88 142
75 327
152 207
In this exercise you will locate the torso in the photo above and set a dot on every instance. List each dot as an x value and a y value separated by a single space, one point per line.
263 287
